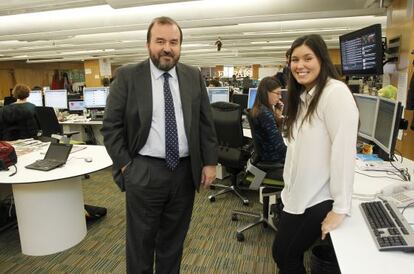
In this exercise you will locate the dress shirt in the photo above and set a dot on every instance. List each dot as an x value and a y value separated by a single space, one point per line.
320 158
155 145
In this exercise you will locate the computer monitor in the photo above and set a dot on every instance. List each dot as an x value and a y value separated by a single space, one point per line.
76 106
361 51
56 98
387 125
368 109
252 97
36 98
95 97
218 94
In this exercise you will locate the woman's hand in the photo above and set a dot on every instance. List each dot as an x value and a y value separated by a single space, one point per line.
331 221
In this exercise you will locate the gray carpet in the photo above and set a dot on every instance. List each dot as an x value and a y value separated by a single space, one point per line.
210 247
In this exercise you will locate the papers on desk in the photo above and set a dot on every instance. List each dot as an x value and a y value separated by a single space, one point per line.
24 146
371 162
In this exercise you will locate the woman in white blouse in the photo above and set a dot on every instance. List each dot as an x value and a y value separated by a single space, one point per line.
321 130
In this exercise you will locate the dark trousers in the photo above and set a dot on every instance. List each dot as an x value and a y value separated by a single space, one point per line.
295 235
159 206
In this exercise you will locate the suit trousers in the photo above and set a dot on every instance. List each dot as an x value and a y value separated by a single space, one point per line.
159 205
296 234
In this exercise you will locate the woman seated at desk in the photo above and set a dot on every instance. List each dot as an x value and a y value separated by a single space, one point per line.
17 121
267 116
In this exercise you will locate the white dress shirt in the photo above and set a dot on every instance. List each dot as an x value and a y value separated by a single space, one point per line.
320 158
155 145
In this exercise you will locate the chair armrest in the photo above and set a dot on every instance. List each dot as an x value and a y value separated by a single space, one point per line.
70 133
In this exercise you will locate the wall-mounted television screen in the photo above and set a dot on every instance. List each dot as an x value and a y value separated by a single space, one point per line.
362 52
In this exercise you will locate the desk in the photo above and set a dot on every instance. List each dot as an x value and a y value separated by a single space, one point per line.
94 128
49 205
354 246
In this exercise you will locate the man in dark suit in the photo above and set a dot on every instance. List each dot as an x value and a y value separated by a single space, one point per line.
159 132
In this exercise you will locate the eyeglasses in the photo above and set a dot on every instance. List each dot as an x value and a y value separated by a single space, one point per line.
275 92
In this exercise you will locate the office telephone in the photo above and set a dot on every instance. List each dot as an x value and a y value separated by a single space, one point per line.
401 194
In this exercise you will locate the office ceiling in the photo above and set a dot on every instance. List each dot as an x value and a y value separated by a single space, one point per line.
252 31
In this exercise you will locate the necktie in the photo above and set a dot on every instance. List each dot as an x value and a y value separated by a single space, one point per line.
171 136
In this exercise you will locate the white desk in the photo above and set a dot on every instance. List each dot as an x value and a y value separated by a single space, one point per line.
78 125
354 246
49 205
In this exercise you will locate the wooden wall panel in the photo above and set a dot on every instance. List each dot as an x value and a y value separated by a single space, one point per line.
92 73
403 26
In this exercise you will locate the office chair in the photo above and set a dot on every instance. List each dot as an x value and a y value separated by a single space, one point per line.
268 177
17 122
49 124
233 149
240 99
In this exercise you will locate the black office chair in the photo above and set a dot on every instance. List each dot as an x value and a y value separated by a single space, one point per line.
234 150
240 99
268 177
49 124
17 122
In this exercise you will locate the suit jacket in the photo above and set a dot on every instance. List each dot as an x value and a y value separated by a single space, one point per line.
128 115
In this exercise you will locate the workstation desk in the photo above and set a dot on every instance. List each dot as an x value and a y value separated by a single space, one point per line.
354 246
85 127
49 205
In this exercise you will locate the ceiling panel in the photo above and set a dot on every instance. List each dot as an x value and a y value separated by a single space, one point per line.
256 32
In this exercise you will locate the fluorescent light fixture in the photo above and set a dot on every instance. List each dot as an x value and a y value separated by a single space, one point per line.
271 42
296 31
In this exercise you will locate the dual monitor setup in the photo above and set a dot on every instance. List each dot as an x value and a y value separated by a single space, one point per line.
222 94
93 98
379 122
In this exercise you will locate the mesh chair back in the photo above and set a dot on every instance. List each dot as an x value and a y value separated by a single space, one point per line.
227 121
47 121
240 99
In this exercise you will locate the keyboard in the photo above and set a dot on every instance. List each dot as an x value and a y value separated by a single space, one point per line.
45 164
388 227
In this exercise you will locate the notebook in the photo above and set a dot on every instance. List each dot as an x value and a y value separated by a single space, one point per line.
56 156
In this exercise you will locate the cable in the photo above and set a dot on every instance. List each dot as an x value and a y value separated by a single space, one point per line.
407 206
388 177
15 171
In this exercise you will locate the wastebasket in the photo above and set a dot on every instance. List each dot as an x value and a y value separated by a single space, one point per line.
323 260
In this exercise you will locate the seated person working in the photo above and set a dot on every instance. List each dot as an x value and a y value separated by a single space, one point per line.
17 121
266 115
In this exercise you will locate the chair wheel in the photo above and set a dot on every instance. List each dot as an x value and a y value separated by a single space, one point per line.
240 237
234 217
245 202
212 199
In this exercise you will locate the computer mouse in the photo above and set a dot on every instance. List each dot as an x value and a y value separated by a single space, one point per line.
88 159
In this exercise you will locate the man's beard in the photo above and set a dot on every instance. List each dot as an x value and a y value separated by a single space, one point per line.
164 66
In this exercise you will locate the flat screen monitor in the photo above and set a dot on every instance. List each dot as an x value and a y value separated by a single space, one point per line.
368 108
387 125
361 51
218 94
252 97
76 105
56 98
36 98
95 97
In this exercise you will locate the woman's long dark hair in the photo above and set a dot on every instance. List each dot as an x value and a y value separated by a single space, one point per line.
319 48
266 85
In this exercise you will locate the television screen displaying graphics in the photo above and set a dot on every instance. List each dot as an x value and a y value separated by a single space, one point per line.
387 124
56 98
368 108
76 105
361 51
252 97
36 98
95 97
218 94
